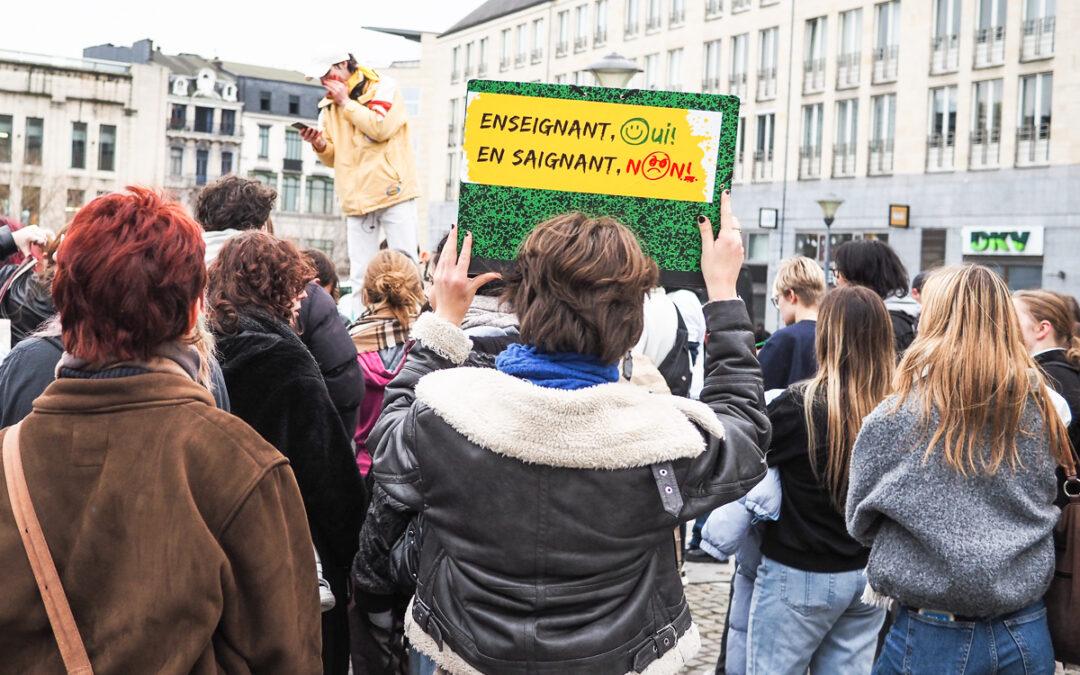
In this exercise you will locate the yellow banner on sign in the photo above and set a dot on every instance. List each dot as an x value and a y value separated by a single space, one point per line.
588 146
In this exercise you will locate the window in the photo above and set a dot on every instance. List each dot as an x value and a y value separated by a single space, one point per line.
766 88
204 119
78 145
763 150
481 57
264 141
1033 134
990 33
1038 38
468 59
31 205
455 60
107 147
886 41
942 125
986 124
294 107
562 34
633 17
504 50
202 158
538 39
320 197
652 67
740 46
710 82
178 116
75 199
945 46
226 163
581 27
932 248
264 101
674 69
600 31
522 44
810 150
847 137
267 178
228 120
412 100
849 58
453 134
814 60
652 22
678 13
883 127
35 139
290 192
5 140
451 176
176 162
740 149
292 144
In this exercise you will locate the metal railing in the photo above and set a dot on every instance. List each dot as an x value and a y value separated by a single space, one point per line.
885 64
989 47
455 76
763 165
741 5
766 84
537 55
599 37
630 28
710 85
714 9
985 148
1038 39
847 70
737 85
519 59
881 157
944 54
940 151
481 70
652 23
581 43
677 17
1033 145
562 47
813 76
843 160
809 162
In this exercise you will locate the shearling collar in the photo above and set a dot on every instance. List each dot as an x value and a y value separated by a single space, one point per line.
609 426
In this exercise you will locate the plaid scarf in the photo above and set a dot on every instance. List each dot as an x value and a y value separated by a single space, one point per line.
377 329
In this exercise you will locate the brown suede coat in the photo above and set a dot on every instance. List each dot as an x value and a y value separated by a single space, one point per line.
179 535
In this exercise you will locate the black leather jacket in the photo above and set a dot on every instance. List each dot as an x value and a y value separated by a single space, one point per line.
548 515
28 302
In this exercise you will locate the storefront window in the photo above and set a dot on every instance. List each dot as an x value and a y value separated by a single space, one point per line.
1019 274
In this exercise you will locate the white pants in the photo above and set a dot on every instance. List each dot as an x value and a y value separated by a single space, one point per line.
399 222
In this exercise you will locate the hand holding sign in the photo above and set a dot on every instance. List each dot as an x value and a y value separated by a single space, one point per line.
722 256
452 290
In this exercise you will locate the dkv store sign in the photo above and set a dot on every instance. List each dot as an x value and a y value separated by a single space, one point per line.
1027 241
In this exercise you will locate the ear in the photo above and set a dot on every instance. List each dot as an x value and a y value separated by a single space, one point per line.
1044 330
792 296
193 314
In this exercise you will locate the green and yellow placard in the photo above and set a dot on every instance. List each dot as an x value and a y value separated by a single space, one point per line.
655 160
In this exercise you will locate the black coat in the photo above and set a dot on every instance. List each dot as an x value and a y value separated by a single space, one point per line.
275 386
904 328
326 337
1064 377
548 515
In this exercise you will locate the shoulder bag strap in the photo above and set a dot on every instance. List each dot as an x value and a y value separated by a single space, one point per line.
72 651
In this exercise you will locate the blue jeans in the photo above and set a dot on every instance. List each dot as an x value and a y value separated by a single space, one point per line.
803 620
1015 643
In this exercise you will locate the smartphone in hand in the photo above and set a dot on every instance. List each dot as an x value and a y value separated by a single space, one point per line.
299 126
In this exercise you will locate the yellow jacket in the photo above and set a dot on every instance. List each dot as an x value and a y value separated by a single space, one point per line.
370 152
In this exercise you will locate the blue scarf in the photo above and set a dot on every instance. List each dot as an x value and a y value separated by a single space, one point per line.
558 370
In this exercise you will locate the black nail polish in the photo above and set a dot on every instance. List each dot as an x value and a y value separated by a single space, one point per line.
701 220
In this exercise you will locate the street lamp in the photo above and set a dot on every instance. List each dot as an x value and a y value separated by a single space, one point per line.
614 70
829 206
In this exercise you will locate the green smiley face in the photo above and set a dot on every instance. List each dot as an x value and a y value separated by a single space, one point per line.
634 131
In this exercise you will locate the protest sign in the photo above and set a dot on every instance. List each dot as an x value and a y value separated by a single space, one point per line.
654 160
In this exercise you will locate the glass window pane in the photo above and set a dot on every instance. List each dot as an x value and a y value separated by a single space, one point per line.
107 147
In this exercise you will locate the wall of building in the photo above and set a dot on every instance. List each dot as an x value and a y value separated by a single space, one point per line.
61 92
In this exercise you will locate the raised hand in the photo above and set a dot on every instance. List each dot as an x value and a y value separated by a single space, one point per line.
722 256
452 290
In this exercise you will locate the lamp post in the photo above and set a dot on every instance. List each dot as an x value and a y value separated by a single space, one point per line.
829 206
614 70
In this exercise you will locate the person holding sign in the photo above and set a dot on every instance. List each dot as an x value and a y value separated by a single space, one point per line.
560 557
365 139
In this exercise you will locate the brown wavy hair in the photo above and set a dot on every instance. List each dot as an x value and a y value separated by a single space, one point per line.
1054 309
393 282
255 271
579 286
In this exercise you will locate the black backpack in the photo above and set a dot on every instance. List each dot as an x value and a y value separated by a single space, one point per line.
677 364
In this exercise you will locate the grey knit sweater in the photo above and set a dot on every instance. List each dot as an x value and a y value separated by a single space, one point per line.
980 546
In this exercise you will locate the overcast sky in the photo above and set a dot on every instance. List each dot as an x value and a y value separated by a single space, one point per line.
264 33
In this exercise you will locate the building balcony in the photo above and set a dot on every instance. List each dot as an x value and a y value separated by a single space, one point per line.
452 134
940 152
881 157
809 162
739 174
1038 39
562 47
468 72
710 85
985 149
652 24
843 160
677 17
989 47
455 76
537 56
741 5
581 43
504 64
630 29
737 85
763 165
714 9
1033 145
599 38
885 64
292 165
766 84
519 60
944 54
813 76
847 70
481 70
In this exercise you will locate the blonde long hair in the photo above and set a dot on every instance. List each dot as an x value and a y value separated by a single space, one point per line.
856 358
969 365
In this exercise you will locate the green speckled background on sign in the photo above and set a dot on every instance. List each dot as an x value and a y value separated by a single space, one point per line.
500 217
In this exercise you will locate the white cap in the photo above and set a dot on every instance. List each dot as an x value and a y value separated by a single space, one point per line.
319 66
